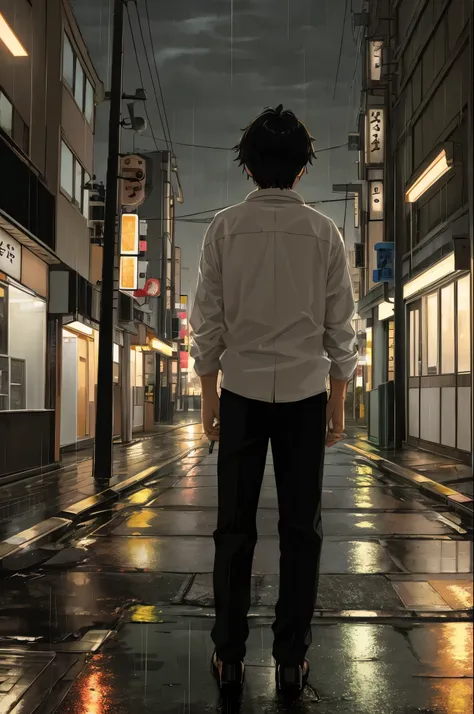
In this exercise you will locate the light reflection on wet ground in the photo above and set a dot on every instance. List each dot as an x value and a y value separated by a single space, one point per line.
357 669
124 567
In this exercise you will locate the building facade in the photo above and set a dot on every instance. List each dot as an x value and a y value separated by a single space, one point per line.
48 91
416 131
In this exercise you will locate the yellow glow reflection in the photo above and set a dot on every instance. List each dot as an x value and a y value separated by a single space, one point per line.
146 613
142 496
94 694
142 519
365 669
365 524
364 557
363 497
141 552
454 656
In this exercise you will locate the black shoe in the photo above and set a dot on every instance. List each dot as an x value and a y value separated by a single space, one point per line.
291 680
229 677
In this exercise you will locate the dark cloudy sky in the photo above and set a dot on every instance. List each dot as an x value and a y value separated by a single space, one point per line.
221 62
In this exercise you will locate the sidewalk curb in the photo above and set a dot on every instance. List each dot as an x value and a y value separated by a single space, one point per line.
69 516
457 501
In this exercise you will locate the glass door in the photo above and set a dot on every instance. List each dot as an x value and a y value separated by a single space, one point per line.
414 369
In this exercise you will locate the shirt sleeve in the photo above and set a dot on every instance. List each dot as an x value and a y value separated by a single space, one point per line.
207 316
339 335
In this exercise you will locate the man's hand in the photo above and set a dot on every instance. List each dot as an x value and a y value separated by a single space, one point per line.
335 412
210 416
210 406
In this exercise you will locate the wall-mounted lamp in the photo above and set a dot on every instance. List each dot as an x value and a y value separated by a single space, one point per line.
10 40
439 165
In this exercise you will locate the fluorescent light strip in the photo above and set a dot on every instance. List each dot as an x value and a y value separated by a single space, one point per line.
438 167
429 277
10 39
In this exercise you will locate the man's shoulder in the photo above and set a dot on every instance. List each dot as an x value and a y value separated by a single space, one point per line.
318 224
225 222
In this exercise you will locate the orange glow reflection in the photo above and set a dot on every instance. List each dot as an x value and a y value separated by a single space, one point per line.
94 692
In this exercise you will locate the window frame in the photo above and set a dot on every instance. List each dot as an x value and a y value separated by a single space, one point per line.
85 178
85 82
12 112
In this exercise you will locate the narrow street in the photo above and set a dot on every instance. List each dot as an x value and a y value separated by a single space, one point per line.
115 615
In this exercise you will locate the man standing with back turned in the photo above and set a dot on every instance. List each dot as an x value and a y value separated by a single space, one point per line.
273 311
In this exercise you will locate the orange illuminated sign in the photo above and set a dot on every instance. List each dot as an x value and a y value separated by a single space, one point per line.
130 234
128 272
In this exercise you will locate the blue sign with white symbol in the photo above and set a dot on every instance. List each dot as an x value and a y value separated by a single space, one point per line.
385 256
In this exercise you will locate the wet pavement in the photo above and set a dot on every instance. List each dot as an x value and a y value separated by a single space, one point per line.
28 501
116 614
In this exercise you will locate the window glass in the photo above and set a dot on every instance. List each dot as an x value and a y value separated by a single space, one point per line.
79 86
368 356
464 325
27 350
3 320
68 62
67 170
21 133
447 330
391 350
6 114
78 183
139 370
89 102
414 343
430 340
85 196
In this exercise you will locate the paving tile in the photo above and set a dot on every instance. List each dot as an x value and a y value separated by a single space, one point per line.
444 650
336 592
196 555
433 556
420 596
457 593
18 670
357 669
347 499
151 521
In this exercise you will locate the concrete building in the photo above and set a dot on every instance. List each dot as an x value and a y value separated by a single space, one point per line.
416 131
48 92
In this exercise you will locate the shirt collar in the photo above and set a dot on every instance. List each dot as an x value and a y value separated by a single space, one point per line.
286 194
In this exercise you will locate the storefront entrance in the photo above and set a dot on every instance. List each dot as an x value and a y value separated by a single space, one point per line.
439 382
78 383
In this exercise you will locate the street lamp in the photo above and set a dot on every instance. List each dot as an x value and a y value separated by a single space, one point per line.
10 40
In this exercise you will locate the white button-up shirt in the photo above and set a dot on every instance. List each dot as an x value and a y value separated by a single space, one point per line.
274 303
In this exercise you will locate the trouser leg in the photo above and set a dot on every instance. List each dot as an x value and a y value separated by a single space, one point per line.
243 448
298 444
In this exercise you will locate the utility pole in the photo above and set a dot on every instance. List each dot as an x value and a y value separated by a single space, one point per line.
471 213
104 420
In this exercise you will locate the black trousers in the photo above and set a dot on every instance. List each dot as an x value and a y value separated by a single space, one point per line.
297 432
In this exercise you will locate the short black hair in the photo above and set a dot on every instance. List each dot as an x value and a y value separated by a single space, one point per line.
275 147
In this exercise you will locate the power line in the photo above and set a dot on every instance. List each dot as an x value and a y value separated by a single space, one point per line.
222 208
158 76
140 74
341 46
151 76
227 148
